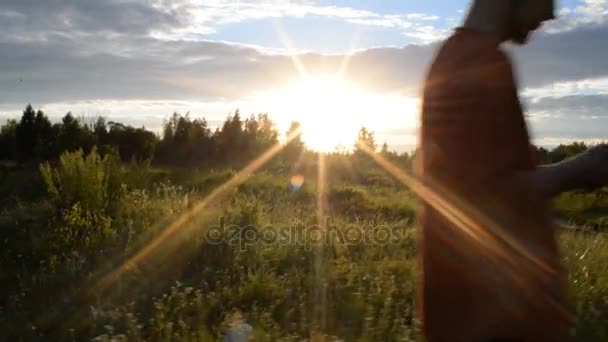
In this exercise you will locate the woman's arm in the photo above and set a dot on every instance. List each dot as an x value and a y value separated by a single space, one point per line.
589 170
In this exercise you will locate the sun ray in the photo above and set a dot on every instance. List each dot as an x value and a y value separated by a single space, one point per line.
344 66
299 161
293 55
320 247
455 209
479 227
347 57
346 161
177 225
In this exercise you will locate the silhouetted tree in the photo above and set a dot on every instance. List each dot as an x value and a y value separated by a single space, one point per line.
562 152
393 156
133 143
230 142
260 134
191 142
34 136
293 149
73 135
186 142
100 130
26 135
384 150
200 147
45 137
8 140
365 142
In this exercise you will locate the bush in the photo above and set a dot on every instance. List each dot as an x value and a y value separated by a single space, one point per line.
83 230
93 181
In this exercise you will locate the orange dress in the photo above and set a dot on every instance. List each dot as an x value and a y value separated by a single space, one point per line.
495 274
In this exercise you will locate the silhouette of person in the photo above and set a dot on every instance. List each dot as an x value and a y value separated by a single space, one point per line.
490 268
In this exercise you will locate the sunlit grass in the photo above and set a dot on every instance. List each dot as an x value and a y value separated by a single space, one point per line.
188 288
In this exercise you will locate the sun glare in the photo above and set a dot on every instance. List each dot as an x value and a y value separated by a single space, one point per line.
327 110
332 111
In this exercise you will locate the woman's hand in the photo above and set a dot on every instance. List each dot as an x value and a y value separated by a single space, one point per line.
595 173
588 170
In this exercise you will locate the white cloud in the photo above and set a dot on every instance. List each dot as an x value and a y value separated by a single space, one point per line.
207 16
568 111
593 86
427 33
589 12
138 113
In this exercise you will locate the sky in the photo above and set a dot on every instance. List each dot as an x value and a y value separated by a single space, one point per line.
138 61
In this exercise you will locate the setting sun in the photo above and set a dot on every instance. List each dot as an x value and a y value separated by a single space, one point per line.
326 108
332 111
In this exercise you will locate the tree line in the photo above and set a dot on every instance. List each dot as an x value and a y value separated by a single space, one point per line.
184 141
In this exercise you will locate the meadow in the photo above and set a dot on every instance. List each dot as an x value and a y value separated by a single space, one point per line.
110 232
82 258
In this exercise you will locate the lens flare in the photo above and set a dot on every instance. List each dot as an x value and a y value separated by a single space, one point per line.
296 182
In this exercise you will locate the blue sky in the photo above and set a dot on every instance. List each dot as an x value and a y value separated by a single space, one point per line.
334 34
331 35
137 61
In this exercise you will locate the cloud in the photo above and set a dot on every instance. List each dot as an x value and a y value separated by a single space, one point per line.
206 15
120 66
572 107
144 68
568 111
582 117
147 113
75 51
590 86
37 20
588 13
183 19
567 56
72 50
572 129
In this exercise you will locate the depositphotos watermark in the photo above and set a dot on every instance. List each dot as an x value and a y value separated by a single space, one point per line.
301 234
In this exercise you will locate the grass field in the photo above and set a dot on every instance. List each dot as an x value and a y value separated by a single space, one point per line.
91 250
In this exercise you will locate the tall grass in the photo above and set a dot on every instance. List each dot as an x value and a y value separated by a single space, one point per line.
61 256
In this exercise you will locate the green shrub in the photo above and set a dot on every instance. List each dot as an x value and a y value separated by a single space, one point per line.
92 181
83 230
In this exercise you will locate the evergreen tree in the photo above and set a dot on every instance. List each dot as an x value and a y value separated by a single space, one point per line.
8 140
100 130
384 151
45 137
294 148
365 142
26 135
230 142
